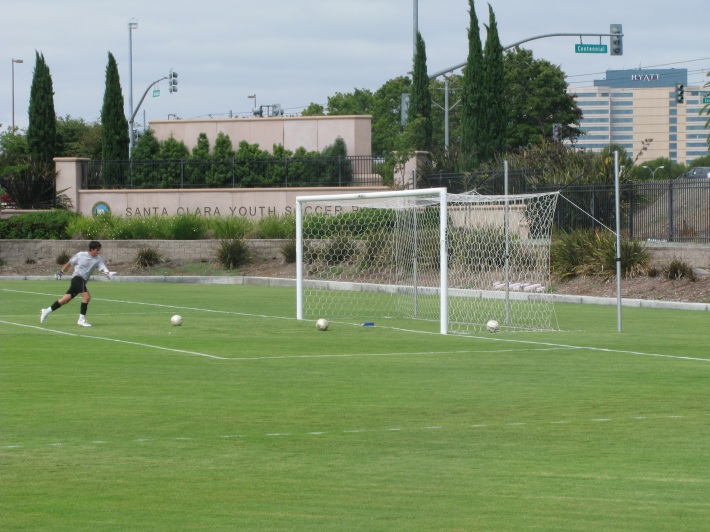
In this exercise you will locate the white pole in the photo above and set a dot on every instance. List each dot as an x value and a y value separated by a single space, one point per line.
132 24
618 241
299 261
444 262
506 216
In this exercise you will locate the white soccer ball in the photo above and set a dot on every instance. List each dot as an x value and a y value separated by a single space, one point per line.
492 326
176 320
322 324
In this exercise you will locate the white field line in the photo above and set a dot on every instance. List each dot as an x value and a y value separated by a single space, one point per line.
495 425
550 345
128 342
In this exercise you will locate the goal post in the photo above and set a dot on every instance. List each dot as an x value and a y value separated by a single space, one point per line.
456 259
343 205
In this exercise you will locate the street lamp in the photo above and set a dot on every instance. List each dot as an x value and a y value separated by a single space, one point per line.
132 24
13 90
653 172
253 97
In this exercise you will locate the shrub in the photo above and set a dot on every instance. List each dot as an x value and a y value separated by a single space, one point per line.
678 269
229 227
233 253
338 250
288 251
188 227
276 227
147 257
63 258
47 225
587 253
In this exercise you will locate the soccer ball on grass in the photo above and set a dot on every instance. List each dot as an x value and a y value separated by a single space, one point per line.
176 320
322 324
492 326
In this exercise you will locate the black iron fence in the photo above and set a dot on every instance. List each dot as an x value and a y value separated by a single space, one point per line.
676 210
234 173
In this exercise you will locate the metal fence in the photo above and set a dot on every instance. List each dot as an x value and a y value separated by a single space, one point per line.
234 173
676 210
671 211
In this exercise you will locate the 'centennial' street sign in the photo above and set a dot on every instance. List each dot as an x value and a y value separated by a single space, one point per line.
590 48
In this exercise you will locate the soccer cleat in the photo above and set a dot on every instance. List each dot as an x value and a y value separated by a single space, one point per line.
83 323
43 314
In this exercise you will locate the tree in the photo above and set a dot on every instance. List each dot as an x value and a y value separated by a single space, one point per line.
358 102
147 148
175 151
13 150
537 98
420 99
42 129
472 98
76 138
387 114
201 150
313 109
143 171
493 93
114 126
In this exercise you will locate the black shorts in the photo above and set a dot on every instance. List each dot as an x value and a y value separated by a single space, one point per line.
77 286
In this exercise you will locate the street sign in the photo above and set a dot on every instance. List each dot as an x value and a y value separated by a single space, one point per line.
706 99
156 93
590 48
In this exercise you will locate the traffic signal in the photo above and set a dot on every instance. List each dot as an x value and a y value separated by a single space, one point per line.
172 81
616 40
679 93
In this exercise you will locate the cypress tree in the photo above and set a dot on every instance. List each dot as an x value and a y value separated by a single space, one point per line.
114 125
42 129
494 109
471 99
420 99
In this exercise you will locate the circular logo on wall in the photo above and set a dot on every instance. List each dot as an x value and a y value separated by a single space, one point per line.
100 208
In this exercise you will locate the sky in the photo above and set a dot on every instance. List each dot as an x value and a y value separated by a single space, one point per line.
293 53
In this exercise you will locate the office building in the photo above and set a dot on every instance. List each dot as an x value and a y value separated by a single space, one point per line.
633 108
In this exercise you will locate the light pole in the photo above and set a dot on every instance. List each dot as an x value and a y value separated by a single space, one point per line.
653 172
13 90
132 24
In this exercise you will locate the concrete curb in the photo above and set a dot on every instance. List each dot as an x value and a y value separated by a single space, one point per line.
291 283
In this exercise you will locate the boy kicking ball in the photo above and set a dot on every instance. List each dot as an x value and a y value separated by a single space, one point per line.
84 262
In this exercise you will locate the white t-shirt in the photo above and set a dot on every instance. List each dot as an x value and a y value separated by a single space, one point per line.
84 264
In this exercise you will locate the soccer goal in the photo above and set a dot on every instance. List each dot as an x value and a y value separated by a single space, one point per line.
456 259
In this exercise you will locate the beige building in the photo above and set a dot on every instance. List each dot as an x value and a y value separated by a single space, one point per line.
310 132
631 108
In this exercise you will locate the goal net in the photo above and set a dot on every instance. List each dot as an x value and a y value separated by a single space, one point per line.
456 259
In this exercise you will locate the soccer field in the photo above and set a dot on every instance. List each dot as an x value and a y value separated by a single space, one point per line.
246 418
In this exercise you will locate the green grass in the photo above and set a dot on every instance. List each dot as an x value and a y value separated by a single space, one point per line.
245 418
